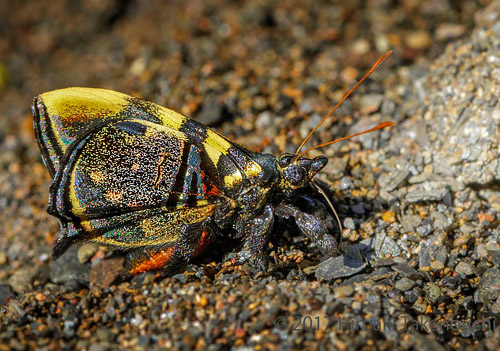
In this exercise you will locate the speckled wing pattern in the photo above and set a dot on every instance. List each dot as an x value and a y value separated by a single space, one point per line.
132 174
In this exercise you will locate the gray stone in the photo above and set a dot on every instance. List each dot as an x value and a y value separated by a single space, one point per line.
339 267
464 268
405 270
426 195
489 286
68 268
394 180
404 284
5 293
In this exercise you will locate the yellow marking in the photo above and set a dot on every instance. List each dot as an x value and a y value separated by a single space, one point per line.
182 207
213 154
75 204
150 228
170 118
217 141
253 169
135 166
154 129
87 225
77 104
113 196
232 179
129 139
158 241
72 105
97 176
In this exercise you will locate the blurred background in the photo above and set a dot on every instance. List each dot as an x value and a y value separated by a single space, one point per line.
218 59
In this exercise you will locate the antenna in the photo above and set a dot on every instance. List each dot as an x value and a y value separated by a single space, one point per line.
377 127
373 68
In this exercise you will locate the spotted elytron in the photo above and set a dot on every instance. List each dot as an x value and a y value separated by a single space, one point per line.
144 179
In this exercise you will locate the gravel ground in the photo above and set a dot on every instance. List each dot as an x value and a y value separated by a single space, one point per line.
419 202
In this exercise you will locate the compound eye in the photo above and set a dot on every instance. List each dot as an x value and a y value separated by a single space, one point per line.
295 175
285 160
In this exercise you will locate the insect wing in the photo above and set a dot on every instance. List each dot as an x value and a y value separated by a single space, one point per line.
120 172
63 116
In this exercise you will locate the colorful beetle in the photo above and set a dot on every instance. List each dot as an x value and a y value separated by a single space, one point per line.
145 179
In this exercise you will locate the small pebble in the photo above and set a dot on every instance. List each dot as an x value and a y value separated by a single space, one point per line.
389 217
404 284
85 252
464 268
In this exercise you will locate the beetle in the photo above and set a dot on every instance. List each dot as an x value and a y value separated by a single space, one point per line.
144 179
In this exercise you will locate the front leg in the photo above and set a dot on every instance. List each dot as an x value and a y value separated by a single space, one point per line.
311 226
255 237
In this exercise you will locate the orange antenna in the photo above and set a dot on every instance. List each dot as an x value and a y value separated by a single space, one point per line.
379 126
374 67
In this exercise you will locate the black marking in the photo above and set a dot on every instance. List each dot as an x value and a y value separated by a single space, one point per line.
179 180
193 190
40 116
140 109
62 245
195 132
134 128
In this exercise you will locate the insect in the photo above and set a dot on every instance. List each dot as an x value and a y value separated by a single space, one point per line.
144 179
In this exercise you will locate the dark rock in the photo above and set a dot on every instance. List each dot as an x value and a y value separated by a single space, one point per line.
433 250
295 275
144 279
495 258
338 267
67 268
489 286
405 270
145 340
180 277
213 111
358 278
450 282
411 296
5 293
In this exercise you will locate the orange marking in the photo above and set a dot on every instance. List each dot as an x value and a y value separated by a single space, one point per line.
159 170
205 240
214 191
207 184
155 261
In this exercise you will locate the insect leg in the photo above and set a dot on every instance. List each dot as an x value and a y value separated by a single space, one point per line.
256 235
313 227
